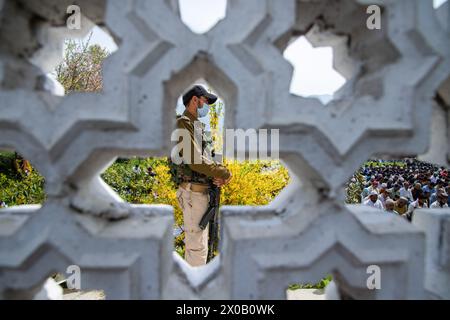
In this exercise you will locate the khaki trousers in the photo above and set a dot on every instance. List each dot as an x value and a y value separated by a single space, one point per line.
194 204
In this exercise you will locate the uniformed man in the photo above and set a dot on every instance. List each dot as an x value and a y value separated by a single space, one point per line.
194 176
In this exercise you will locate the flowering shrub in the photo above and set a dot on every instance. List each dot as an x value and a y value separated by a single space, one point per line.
81 68
254 182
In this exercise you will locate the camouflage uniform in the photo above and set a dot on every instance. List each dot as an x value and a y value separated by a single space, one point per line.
194 203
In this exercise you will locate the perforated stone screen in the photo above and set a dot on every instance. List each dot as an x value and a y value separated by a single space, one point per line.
388 106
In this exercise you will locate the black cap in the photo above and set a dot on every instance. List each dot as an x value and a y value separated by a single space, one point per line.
198 91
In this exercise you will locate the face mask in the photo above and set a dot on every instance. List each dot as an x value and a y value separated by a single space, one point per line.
203 111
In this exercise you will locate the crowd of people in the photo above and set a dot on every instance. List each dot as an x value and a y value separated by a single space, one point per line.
401 187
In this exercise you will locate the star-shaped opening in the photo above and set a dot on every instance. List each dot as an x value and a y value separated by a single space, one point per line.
314 75
153 180
200 16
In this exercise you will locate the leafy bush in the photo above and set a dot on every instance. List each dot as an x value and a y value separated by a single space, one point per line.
19 183
81 68
319 285
254 182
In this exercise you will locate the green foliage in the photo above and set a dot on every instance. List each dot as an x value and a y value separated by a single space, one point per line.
377 164
133 181
254 182
179 248
319 285
215 113
81 68
354 190
16 186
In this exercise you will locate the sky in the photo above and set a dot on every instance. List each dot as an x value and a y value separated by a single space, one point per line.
438 3
214 11
103 39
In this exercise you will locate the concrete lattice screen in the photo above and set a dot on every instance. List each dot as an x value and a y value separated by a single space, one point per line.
396 90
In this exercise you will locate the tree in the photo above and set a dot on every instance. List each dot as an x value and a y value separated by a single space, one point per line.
81 68
215 113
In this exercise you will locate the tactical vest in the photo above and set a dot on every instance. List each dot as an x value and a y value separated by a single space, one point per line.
183 173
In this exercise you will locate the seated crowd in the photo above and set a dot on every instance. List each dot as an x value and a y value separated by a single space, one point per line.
400 189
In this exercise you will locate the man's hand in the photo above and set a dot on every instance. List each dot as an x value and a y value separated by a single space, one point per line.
220 182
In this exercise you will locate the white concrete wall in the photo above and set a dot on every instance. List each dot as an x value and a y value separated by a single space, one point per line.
385 108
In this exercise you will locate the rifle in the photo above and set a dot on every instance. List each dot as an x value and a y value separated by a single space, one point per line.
211 216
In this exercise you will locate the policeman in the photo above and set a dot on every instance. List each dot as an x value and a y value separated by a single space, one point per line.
193 176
